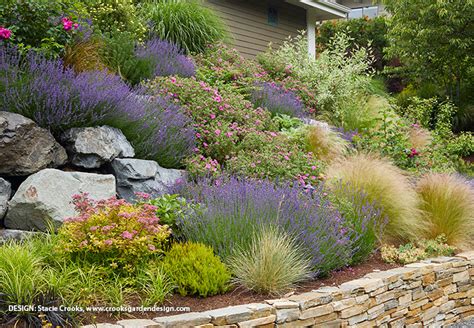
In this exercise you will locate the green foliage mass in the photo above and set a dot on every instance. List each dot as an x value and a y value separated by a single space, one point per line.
187 23
195 270
435 39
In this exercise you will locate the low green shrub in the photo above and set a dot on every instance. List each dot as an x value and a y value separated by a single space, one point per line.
188 24
195 270
418 251
169 208
272 264
447 207
112 233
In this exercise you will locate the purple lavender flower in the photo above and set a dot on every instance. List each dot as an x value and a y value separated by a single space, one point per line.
233 209
277 100
165 58
347 135
57 98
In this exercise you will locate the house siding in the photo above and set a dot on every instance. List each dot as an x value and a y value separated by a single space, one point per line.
249 26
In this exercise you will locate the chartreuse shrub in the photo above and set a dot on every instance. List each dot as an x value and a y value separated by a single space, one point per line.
188 24
447 207
417 251
195 270
111 16
112 233
232 208
272 264
385 186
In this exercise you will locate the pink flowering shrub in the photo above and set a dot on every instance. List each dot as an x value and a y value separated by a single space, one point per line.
274 155
222 117
112 232
221 64
233 135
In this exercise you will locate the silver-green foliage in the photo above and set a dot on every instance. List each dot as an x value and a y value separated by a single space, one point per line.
272 263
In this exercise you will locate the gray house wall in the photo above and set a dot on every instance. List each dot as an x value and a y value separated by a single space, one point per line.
251 27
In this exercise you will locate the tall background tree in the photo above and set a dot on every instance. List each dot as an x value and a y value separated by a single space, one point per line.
435 40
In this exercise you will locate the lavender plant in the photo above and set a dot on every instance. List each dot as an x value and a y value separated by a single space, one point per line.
57 99
277 100
165 59
362 219
138 62
234 209
161 131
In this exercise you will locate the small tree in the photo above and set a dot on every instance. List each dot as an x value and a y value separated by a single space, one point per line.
434 39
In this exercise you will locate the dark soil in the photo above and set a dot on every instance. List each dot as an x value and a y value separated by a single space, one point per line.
239 296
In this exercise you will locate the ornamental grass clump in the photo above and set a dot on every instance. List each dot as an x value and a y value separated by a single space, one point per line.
112 233
232 208
447 207
188 24
385 186
26 280
273 263
277 100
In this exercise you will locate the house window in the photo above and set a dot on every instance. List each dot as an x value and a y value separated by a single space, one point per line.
272 16
370 12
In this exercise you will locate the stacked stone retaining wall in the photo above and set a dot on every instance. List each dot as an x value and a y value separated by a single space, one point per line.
432 293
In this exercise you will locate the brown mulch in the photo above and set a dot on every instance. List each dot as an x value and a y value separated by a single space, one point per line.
239 296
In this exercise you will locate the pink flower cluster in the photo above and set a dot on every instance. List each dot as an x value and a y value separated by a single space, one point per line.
413 152
69 24
5 33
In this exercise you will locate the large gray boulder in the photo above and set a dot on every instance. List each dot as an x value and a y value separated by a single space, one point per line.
92 147
46 197
5 193
11 234
137 175
25 147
